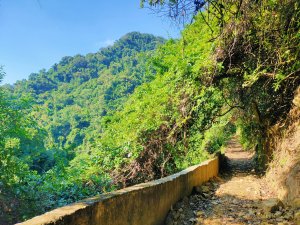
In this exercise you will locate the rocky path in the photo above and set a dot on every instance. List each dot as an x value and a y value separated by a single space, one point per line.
238 196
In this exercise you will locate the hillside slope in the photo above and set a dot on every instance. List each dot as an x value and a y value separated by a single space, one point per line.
284 169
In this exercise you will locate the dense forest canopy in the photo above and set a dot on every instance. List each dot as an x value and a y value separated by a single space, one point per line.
145 107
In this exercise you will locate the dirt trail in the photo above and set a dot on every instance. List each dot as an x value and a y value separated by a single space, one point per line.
238 196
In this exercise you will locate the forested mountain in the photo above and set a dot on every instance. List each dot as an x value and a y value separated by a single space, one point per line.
145 108
70 98
61 112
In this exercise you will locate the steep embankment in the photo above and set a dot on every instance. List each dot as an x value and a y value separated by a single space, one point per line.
284 169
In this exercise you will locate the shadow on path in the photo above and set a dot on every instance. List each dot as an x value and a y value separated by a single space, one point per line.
239 160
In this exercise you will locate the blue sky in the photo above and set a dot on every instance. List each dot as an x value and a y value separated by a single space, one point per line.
35 34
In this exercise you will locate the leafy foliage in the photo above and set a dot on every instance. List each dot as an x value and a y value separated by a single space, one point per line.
259 52
160 130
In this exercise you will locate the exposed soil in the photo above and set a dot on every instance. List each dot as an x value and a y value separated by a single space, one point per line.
238 196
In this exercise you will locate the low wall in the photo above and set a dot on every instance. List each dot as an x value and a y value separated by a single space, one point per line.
146 203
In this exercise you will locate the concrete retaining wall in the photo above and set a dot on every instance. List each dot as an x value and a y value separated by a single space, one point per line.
142 204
